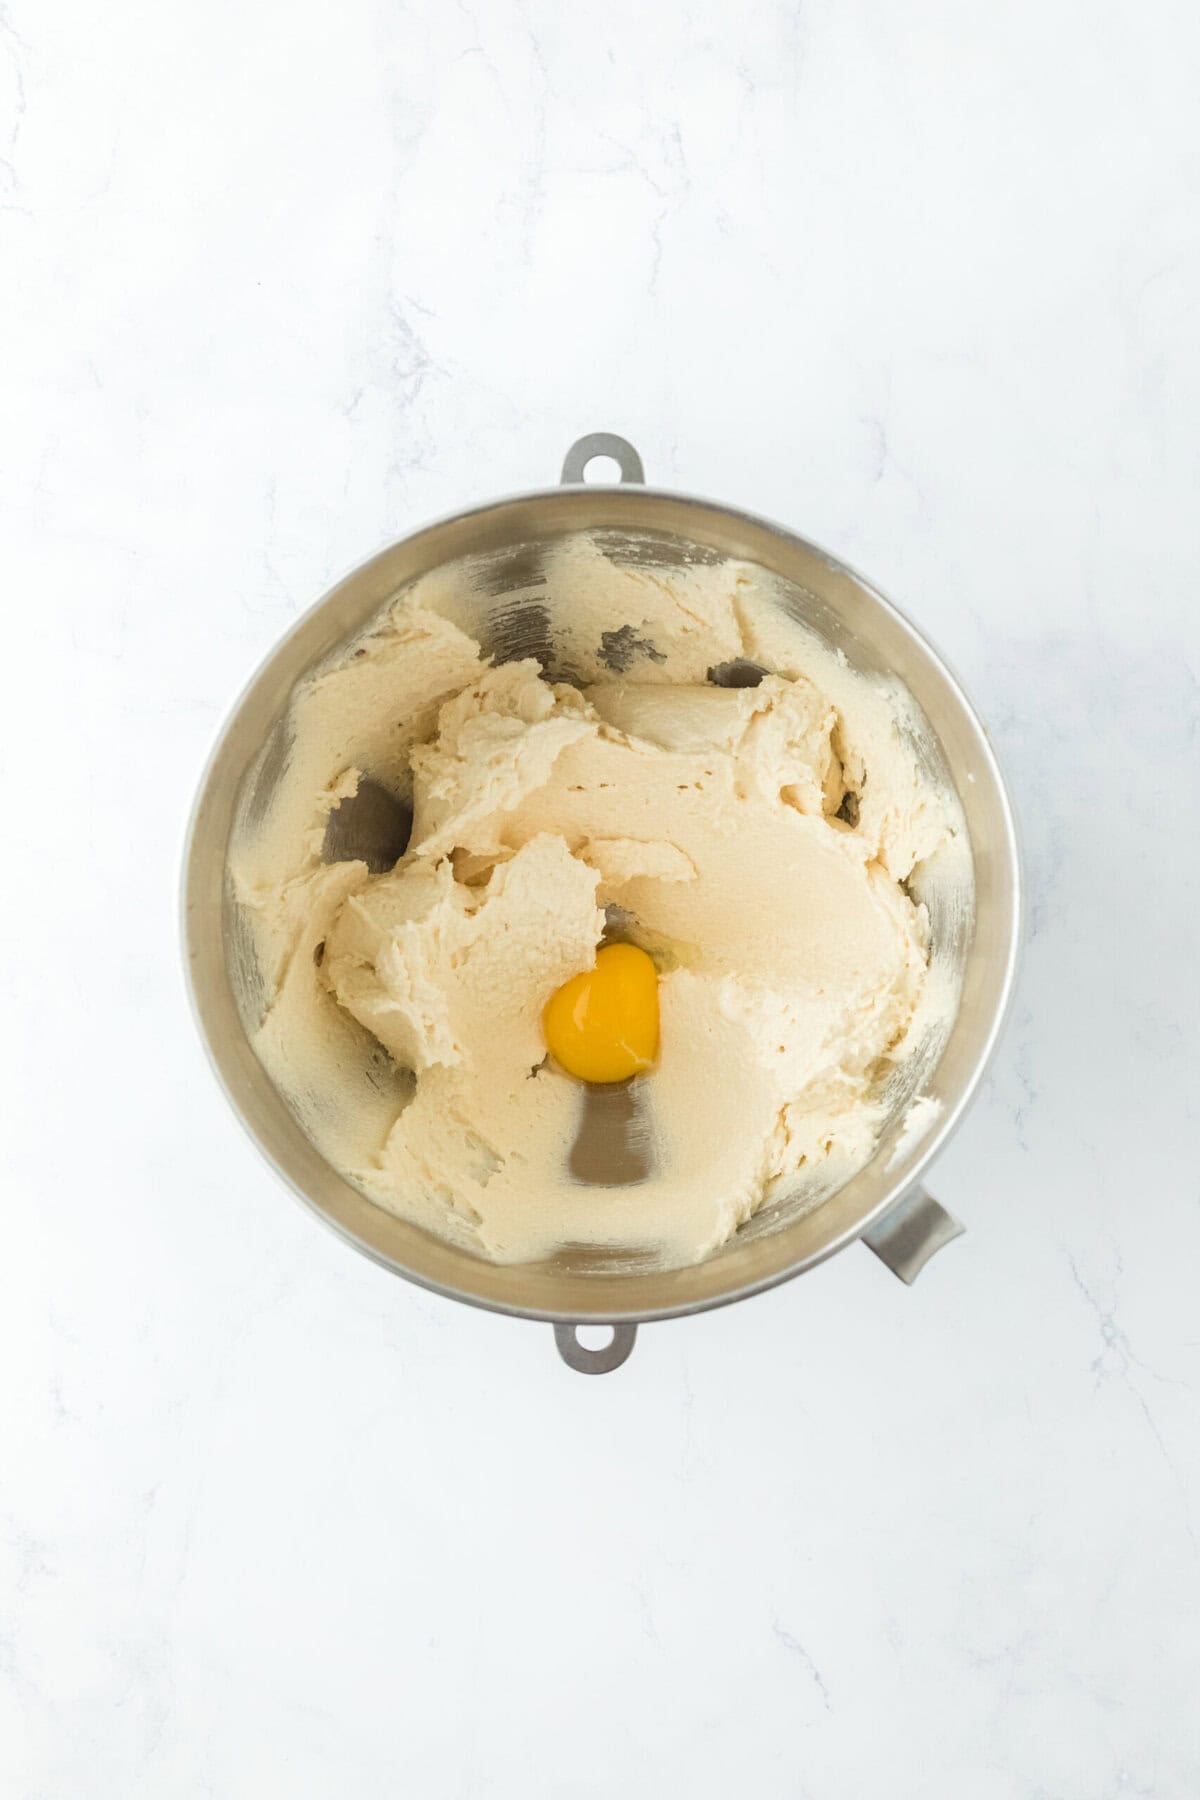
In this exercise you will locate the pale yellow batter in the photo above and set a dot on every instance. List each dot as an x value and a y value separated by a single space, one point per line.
756 841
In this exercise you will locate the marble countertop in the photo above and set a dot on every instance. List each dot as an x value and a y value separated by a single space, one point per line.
280 281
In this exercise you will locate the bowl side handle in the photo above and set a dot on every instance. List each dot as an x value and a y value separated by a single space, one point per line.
910 1232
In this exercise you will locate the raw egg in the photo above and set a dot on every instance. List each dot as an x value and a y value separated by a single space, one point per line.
603 1025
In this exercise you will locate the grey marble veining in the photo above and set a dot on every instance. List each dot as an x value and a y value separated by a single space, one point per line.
281 282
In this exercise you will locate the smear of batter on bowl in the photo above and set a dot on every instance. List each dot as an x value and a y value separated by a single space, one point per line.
760 842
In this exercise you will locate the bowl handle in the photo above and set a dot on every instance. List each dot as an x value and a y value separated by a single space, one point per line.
909 1234
602 443
594 1362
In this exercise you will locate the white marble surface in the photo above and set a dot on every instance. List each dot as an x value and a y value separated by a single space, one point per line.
280 281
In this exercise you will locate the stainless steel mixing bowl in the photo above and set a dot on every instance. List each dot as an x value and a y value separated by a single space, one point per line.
884 1204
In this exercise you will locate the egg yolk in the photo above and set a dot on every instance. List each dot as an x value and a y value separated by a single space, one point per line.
603 1025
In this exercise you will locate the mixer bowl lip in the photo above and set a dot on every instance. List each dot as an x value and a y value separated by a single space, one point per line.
938 1136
